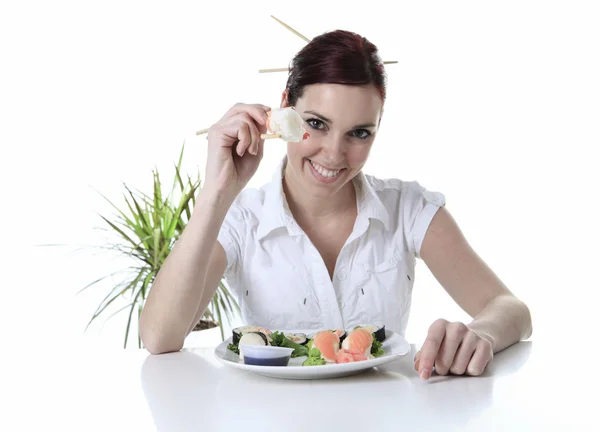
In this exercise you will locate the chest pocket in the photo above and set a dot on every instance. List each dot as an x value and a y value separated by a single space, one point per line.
278 295
381 292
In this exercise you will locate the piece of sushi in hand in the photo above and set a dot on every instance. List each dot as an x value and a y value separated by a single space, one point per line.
328 344
286 123
359 340
252 338
240 331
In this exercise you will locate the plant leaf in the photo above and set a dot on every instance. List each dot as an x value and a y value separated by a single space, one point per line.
220 319
98 280
104 304
146 230
133 303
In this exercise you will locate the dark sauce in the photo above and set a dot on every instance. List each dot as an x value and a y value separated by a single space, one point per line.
279 361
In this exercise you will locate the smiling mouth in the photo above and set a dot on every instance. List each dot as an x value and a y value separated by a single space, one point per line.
325 173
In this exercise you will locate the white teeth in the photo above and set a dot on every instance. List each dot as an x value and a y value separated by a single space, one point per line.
323 171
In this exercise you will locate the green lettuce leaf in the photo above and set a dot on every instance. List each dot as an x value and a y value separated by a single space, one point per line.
281 341
313 361
377 348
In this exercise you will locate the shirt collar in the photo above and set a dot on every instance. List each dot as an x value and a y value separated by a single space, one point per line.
276 212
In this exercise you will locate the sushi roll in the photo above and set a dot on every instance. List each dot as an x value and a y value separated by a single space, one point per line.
360 341
240 331
377 332
252 338
299 338
326 345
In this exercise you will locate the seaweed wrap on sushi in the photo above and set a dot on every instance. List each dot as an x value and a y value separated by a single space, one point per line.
299 338
377 331
238 332
340 333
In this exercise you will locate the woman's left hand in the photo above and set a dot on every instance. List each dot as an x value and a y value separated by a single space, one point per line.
452 347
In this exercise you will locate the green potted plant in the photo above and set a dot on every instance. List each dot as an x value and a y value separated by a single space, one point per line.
145 230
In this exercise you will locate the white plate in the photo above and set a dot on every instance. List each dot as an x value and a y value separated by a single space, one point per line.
394 347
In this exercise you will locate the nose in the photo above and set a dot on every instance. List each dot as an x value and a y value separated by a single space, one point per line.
334 150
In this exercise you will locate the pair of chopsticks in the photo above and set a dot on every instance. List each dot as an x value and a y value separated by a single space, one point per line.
304 38
262 136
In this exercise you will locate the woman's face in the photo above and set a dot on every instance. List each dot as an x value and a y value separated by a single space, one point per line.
342 121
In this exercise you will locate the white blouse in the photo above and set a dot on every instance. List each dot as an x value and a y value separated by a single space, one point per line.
281 282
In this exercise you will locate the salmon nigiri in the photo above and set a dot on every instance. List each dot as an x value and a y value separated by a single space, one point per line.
359 340
328 343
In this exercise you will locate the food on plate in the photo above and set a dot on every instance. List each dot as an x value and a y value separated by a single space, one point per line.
314 361
378 332
335 346
299 338
341 333
281 340
326 345
252 338
349 356
286 123
264 355
359 340
240 331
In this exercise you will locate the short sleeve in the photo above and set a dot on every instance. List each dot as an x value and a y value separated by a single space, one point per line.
231 236
419 207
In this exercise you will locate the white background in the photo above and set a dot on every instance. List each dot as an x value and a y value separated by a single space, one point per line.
494 104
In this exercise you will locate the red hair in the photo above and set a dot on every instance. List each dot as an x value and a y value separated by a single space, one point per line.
337 57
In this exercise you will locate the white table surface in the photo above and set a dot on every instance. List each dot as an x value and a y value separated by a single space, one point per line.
526 387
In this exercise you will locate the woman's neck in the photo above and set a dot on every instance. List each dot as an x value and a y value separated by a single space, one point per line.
307 208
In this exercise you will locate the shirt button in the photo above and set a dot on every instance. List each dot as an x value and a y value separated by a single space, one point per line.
342 275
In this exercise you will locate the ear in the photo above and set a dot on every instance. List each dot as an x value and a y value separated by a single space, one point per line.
284 99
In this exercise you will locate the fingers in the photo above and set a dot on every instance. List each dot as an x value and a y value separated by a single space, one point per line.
453 348
417 360
245 139
482 356
455 332
255 135
431 346
257 142
464 354
258 112
242 131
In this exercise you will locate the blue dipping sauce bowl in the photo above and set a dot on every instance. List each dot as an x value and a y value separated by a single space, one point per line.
260 355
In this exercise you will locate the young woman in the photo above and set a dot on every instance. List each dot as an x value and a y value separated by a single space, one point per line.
323 245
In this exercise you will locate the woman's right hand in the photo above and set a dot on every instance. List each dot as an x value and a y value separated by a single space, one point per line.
235 148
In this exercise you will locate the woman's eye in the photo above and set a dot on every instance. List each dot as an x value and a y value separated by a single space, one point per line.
362 133
315 124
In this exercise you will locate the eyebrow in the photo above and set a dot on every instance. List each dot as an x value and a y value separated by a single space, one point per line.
325 119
